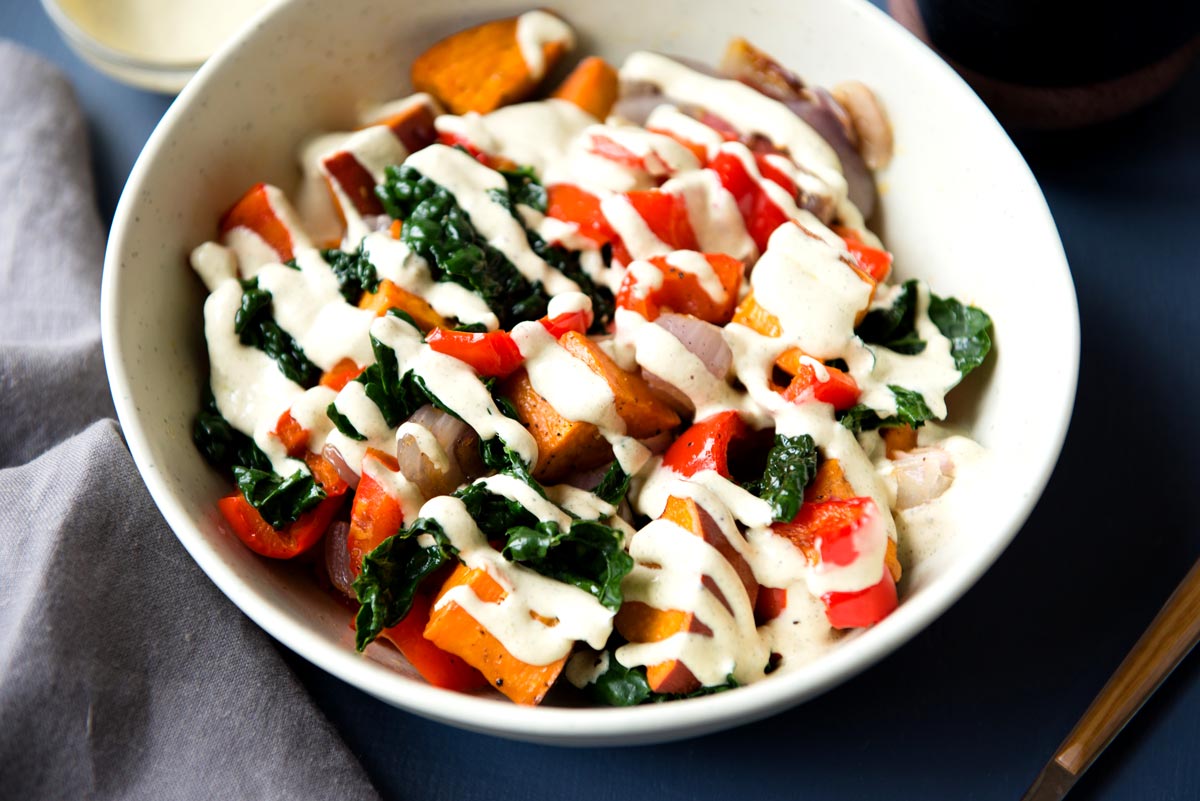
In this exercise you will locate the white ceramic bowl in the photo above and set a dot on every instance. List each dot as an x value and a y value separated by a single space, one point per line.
959 207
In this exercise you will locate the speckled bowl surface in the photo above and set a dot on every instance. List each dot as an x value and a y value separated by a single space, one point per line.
959 208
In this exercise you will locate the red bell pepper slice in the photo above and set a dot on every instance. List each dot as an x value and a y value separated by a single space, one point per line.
569 203
376 515
666 215
341 374
705 446
491 354
293 436
825 531
698 150
438 667
610 149
759 212
772 173
292 540
873 261
856 610
254 211
578 321
841 390
681 291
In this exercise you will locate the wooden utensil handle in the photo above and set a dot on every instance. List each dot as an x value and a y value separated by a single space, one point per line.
1171 635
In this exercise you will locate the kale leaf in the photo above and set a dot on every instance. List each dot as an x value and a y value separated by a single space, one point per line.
395 395
493 513
967 329
525 188
614 485
343 424
910 411
255 327
222 445
588 555
354 271
622 686
895 327
437 229
791 466
391 575
279 500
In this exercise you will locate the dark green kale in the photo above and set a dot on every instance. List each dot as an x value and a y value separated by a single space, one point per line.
396 396
895 327
791 466
493 513
343 424
255 327
222 445
354 271
391 575
967 329
910 410
622 686
588 555
523 188
567 262
279 500
614 485
437 229
496 454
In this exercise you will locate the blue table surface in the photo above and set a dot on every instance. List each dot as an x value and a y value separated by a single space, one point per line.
972 707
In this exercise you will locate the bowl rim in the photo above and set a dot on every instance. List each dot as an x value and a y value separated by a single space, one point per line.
587 725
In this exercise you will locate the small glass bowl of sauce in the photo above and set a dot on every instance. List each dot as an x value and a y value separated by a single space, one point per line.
152 44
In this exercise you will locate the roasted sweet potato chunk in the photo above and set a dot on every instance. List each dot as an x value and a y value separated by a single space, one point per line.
592 86
481 68
644 413
455 631
564 446
641 623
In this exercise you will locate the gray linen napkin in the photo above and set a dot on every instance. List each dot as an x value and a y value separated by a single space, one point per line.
124 673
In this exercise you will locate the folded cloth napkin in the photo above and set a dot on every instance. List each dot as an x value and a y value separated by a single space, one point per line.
124 673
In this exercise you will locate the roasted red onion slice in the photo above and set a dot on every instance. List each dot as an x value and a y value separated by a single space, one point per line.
441 466
337 559
705 342
334 457
921 476
702 339
819 113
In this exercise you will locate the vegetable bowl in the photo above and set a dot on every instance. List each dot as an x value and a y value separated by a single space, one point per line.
954 183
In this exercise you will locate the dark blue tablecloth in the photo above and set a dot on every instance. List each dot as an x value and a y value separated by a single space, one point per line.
972 707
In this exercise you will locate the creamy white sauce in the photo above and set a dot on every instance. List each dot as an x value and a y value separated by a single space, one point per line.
734 647
469 182
803 278
816 296
576 615
748 111
505 132
394 261
308 305
535 30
